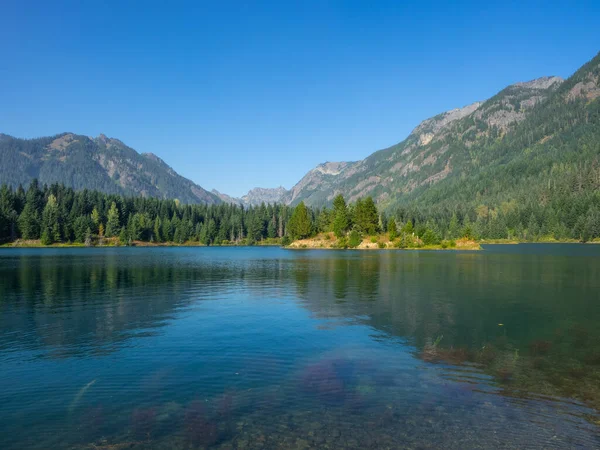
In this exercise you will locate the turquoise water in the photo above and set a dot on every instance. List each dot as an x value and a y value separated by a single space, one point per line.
271 348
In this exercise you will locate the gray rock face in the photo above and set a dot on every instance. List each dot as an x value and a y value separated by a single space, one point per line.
227 198
101 163
258 195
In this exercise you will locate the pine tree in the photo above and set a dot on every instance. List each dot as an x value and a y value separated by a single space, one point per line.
112 221
340 216
30 218
123 236
454 227
96 219
365 216
157 230
299 226
391 228
272 228
50 224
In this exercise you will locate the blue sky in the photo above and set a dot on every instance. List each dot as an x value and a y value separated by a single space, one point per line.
235 95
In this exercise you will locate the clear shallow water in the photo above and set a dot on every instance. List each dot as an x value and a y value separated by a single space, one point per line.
268 348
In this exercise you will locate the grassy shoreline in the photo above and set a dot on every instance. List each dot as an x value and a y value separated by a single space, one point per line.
328 241
114 242
319 242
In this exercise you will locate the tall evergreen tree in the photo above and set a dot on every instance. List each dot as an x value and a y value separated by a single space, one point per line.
50 223
112 221
341 222
300 226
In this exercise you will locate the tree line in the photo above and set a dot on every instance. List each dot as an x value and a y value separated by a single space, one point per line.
57 214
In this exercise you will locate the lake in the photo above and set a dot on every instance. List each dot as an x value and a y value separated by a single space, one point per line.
258 347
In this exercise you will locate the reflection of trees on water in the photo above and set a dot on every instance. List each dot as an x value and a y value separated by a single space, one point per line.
462 297
89 303
94 300
531 322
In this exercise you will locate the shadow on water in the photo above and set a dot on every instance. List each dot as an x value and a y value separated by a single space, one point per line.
263 348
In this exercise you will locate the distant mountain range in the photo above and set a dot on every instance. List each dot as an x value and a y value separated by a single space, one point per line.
100 163
467 151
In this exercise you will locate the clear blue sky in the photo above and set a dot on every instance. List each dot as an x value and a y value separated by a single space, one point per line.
241 94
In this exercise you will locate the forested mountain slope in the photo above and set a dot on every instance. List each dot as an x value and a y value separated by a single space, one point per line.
481 154
101 163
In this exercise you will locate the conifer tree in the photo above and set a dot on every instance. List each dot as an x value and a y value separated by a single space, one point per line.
340 216
112 221
50 224
300 226
391 228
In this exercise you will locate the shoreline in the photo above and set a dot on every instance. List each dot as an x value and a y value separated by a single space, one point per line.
303 244
115 244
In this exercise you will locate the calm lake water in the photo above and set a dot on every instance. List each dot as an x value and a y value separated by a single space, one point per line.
269 348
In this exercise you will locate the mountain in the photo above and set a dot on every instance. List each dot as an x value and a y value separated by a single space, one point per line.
526 143
227 198
438 149
256 196
100 163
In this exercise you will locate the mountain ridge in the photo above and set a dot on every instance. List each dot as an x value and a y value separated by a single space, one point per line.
101 163
456 143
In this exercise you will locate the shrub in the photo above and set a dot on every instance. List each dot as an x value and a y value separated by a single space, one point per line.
381 244
430 238
374 240
46 240
342 243
354 239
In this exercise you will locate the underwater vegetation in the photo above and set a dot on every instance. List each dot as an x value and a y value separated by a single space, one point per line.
200 430
568 365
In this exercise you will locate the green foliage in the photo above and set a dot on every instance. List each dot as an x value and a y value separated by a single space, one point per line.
341 222
366 217
124 236
64 215
300 225
391 229
112 221
342 242
354 239
74 167
430 237
50 222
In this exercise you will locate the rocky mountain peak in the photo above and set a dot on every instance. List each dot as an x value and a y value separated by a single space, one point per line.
331 168
259 195
429 128
540 83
